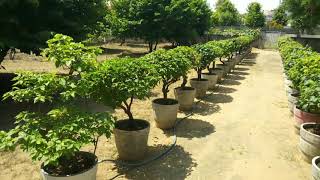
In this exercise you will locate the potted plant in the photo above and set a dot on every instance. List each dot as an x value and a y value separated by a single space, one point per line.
171 66
121 82
308 107
206 56
186 94
55 136
213 73
310 140
316 168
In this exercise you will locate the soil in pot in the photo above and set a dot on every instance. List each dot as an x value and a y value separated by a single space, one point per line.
185 97
212 78
165 112
309 141
131 140
80 162
201 86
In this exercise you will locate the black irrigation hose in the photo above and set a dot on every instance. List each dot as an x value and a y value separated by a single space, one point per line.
166 152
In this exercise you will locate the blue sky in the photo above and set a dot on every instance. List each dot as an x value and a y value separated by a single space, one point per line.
241 5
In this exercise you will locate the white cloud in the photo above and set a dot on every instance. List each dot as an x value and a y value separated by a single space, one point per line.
242 5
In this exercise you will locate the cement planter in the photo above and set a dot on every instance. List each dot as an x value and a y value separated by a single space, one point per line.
316 168
185 97
219 72
86 174
200 86
309 142
212 78
165 112
132 144
224 67
292 101
304 117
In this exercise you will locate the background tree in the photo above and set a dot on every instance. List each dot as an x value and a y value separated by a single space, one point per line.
27 25
178 21
304 15
225 14
280 16
255 17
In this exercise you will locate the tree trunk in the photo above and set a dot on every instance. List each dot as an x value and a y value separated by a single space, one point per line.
213 64
184 81
3 53
155 46
150 47
165 91
199 74
122 41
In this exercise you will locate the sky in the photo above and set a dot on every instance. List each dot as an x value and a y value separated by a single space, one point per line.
242 5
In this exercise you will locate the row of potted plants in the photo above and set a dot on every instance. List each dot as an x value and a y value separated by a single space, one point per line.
302 73
56 136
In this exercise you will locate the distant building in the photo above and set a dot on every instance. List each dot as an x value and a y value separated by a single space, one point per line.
269 15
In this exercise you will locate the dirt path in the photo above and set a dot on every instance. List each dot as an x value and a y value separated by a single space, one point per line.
247 135
241 131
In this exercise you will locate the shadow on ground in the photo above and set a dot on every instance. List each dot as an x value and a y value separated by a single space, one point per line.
225 90
241 69
194 128
205 108
235 77
218 98
178 164
240 73
230 82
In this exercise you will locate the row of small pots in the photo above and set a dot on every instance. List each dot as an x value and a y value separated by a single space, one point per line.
132 144
309 142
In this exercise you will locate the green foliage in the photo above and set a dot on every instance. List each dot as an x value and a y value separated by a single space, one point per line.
118 80
171 65
64 52
59 133
303 14
280 16
273 25
154 20
225 14
255 17
28 24
302 65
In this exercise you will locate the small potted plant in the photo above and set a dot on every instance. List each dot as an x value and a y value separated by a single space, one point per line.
213 74
316 168
186 94
171 66
308 106
207 54
55 136
121 81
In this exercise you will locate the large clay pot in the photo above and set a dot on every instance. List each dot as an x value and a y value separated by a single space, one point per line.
309 142
212 78
304 117
200 86
165 112
87 174
132 144
316 168
231 63
224 67
238 59
292 101
219 72
185 97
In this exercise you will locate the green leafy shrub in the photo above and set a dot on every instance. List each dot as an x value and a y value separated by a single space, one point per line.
58 133
118 82
309 100
171 65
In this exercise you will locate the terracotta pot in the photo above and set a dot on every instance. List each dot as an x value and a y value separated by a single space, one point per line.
219 72
185 97
316 168
200 86
87 174
224 67
212 78
304 117
292 101
132 145
309 142
165 112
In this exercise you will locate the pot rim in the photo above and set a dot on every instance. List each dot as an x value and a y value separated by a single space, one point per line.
210 74
315 162
201 80
70 175
171 99
189 88
302 126
148 127
306 113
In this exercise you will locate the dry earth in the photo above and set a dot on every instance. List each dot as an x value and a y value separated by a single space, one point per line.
241 131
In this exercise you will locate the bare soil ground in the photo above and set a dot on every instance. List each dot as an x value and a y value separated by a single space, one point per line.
241 131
